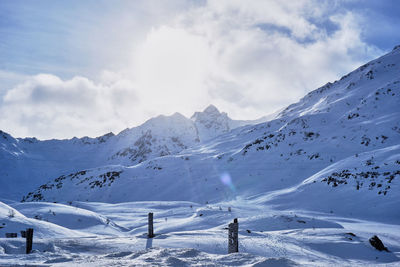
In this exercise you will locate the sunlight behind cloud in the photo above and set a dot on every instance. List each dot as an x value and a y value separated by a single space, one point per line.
170 68
247 58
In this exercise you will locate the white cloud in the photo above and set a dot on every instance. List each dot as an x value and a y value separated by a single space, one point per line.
46 106
247 57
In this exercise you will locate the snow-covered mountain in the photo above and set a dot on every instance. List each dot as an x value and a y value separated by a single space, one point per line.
343 137
310 186
28 162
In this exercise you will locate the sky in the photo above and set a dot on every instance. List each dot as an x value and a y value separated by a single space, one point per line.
85 68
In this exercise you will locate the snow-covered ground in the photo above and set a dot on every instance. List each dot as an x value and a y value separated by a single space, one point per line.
101 234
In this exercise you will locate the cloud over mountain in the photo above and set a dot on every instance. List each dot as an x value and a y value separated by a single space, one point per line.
249 59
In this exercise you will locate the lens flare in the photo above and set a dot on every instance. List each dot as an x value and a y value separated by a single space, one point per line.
227 180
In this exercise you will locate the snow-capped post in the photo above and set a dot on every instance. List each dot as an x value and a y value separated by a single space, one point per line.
150 233
233 237
29 238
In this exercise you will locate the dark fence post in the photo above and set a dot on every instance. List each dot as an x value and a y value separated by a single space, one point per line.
233 237
150 233
23 234
29 239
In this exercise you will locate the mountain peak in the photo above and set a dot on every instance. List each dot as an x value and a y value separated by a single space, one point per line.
211 109
209 113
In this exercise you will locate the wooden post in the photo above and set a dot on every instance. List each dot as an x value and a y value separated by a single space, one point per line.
29 239
150 233
233 237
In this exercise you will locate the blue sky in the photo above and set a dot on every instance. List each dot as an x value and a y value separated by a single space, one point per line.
131 60
69 38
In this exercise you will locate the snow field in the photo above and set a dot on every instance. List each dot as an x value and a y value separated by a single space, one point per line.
188 233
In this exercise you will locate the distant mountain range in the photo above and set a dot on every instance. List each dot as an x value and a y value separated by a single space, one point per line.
29 162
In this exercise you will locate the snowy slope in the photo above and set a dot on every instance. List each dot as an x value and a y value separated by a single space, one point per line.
12 221
357 115
361 186
69 217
